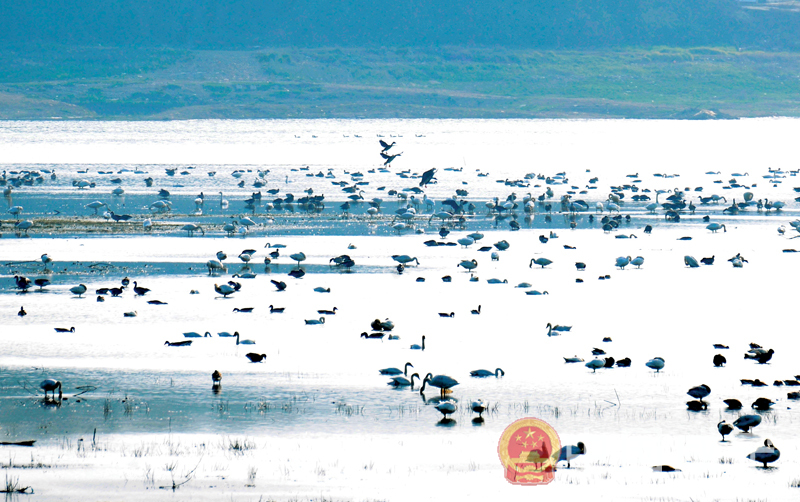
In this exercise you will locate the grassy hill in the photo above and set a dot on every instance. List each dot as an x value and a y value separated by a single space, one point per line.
152 83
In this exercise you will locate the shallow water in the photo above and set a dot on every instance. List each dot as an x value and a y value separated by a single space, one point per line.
325 377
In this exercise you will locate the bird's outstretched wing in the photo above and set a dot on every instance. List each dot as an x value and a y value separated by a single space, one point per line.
384 155
383 143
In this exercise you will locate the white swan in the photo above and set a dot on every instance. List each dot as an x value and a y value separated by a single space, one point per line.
638 261
194 334
716 226
246 341
656 363
78 290
623 261
321 320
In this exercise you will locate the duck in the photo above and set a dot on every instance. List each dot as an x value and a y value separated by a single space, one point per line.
486 373
765 454
451 314
279 284
327 312
707 261
130 314
22 312
244 310
569 452
65 330
256 358
216 379
419 347
624 362
719 360
182 343
657 363
320 289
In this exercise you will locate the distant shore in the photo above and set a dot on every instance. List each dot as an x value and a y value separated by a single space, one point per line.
352 83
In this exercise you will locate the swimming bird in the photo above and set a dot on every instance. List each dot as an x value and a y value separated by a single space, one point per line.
246 341
276 310
765 454
724 428
78 290
65 330
183 343
707 261
550 328
395 371
569 452
575 359
321 320
140 291
543 262
657 363
279 284
327 312
216 379
401 381
716 226
443 382
451 314
320 289
194 334
476 311
50 385
256 358
487 373
747 422
419 347
225 289
700 392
